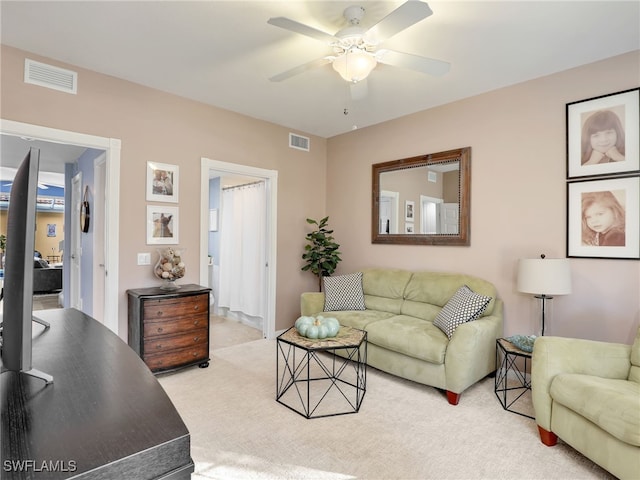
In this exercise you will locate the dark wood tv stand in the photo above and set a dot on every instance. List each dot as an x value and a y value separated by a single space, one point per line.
104 416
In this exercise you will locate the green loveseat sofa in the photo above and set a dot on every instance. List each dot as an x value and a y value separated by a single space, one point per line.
400 308
587 393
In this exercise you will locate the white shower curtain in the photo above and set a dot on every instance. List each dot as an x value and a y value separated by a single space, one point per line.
242 249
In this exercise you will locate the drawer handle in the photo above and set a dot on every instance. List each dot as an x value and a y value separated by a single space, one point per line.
158 347
160 329
195 354
196 307
160 313
196 322
195 339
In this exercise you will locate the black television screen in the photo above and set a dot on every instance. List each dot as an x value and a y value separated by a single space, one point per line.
18 269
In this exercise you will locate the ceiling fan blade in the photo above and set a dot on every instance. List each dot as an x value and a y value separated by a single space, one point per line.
359 90
401 18
413 62
300 69
302 29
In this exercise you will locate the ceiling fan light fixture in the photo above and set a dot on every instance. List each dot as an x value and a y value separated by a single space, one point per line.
354 65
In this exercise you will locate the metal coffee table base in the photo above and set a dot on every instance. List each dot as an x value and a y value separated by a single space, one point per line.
314 381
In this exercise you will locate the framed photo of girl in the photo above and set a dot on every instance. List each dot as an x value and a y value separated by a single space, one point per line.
162 182
603 218
603 135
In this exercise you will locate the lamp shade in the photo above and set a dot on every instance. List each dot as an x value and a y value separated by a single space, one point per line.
354 65
544 276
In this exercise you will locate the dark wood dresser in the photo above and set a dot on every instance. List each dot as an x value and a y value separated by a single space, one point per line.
169 329
105 416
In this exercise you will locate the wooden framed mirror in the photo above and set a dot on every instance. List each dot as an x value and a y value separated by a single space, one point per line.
422 200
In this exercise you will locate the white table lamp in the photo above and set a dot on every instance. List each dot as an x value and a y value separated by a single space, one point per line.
544 277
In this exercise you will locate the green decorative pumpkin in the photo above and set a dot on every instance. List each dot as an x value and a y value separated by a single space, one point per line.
317 327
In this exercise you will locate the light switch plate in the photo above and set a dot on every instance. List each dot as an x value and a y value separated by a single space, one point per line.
144 259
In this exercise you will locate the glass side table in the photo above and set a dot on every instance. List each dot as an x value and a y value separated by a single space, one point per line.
511 384
314 381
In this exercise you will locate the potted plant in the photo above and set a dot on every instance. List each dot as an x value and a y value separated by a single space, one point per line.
321 253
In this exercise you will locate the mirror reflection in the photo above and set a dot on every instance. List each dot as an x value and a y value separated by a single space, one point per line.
422 200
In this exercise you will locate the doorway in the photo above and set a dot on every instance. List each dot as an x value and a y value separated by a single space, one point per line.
111 147
217 169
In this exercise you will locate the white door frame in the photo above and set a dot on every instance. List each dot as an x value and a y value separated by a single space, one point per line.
112 199
72 235
394 198
271 179
97 220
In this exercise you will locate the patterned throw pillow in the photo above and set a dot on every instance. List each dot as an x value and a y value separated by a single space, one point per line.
464 306
343 292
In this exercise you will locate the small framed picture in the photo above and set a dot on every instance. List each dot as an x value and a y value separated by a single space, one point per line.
162 182
51 229
213 220
162 225
409 210
409 227
603 135
603 218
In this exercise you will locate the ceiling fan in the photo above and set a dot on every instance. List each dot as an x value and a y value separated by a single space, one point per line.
355 49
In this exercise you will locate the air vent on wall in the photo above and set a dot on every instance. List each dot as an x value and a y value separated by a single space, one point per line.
299 142
49 76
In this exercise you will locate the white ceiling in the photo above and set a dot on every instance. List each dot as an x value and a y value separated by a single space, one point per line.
223 52
53 156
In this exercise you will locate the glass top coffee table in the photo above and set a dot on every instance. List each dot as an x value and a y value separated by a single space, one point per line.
322 378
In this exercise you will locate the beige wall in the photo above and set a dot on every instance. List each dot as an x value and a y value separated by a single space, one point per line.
517 136
43 243
165 128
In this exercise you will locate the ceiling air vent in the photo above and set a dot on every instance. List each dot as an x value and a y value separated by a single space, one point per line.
49 76
298 142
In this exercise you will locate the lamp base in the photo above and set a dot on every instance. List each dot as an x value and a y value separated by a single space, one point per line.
543 299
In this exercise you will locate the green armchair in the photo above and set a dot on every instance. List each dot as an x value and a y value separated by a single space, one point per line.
587 393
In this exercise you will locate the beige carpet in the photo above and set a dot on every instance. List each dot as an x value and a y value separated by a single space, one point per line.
402 431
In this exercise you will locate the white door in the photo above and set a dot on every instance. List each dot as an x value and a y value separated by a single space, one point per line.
388 212
430 223
450 218
98 225
75 299
385 215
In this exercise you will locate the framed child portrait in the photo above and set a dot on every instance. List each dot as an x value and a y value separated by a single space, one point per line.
603 218
162 182
162 225
603 135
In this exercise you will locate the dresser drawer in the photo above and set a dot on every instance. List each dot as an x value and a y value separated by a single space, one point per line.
178 357
163 343
159 309
177 325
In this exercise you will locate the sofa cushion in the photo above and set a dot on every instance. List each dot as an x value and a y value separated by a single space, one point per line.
384 288
343 292
464 306
612 404
359 318
425 311
410 336
437 288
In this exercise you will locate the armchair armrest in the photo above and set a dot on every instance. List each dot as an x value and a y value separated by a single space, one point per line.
311 303
555 355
